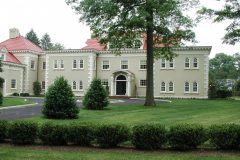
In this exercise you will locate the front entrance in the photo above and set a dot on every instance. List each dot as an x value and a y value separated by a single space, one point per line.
121 85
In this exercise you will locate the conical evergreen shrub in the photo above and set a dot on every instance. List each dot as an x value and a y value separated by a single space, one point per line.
96 97
59 101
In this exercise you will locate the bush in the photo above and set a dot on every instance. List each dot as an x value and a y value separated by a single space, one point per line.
3 130
110 135
81 134
149 136
96 96
223 93
36 88
236 88
23 132
226 136
1 98
15 94
59 101
53 134
24 94
186 136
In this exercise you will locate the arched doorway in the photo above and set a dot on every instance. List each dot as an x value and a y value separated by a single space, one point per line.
121 85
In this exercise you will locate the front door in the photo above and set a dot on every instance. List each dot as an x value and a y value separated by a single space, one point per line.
121 88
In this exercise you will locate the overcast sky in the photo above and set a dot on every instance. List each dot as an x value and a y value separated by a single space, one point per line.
62 24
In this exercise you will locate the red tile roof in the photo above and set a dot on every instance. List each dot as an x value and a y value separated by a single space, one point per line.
94 44
20 43
11 58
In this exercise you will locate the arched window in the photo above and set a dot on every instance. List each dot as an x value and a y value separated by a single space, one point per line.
163 63
195 87
121 77
195 63
163 87
74 85
187 63
186 87
170 87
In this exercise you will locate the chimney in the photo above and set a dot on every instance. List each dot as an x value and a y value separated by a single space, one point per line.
13 33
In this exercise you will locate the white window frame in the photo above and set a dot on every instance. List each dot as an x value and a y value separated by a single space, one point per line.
61 64
185 62
161 87
55 64
44 65
171 62
104 82
81 64
142 82
74 64
143 64
163 62
171 86
188 87
127 66
108 68
74 85
32 64
195 63
80 85
194 87
43 85
15 84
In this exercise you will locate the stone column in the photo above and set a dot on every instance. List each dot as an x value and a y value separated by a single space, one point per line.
112 85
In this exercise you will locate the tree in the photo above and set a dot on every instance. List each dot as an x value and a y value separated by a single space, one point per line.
122 22
36 88
32 36
1 83
46 43
60 101
96 96
230 11
57 46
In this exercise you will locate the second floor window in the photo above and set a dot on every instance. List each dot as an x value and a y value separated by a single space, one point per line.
81 64
187 63
74 64
143 64
124 64
163 63
32 64
171 64
61 64
55 64
195 63
43 65
105 65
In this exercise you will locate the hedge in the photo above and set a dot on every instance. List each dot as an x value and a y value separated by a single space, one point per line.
3 130
149 136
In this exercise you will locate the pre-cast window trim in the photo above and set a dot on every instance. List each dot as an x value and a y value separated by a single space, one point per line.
13 84
105 65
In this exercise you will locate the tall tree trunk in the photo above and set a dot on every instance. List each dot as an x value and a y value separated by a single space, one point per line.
149 101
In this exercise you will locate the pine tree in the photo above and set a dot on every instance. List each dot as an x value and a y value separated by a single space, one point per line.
32 36
46 43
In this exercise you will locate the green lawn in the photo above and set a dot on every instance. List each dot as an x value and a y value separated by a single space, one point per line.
205 112
14 102
68 153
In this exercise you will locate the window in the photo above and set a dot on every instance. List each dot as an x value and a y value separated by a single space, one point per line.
171 64
61 64
80 85
187 63
143 64
74 85
43 65
74 64
105 65
104 82
163 63
163 87
124 64
195 63
13 84
186 87
32 64
43 85
81 64
195 87
55 64
171 87
143 83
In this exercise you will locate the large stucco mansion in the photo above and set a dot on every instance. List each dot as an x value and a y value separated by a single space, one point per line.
186 76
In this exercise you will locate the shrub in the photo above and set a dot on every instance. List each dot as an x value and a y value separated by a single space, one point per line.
81 134
110 135
24 94
186 136
236 88
23 132
36 88
223 93
15 94
96 96
149 136
59 101
53 134
226 136
3 130
1 98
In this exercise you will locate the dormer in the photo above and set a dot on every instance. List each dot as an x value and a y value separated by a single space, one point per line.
3 52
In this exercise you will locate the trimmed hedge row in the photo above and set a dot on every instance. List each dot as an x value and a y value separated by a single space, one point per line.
143 136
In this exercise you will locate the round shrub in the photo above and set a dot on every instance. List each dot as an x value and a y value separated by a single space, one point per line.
80 133
149 136
53 134
96 96
3 130
1 98
23 132
186 136
36 88
60 101
110 135
225 136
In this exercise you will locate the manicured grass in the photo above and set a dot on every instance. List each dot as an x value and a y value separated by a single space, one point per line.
14 102
205 112
35 153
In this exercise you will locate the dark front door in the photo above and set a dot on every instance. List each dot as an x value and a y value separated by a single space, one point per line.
121 87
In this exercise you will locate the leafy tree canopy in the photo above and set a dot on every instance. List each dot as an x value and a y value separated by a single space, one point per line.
46 43
230 11
32 36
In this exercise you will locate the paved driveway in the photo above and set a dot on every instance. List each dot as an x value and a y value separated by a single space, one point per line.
35 110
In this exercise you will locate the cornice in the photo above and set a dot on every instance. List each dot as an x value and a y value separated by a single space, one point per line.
26 51
13 64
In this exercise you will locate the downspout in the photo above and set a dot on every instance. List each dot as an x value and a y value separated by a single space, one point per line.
96 61
38 67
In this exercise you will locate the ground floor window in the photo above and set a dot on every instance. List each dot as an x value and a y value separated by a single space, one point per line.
195 87
186 87
143 83
104 82
80 85
74 85
170 87
13 84
163 87
43 85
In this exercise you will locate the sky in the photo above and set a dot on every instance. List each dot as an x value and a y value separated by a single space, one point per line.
57 19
